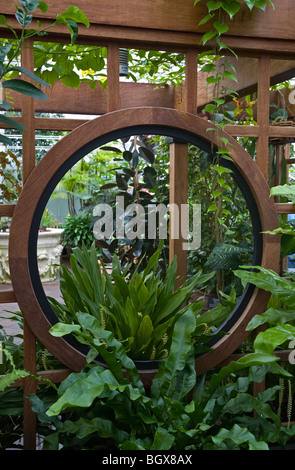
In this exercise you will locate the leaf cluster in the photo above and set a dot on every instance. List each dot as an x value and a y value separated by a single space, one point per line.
139 309
179 412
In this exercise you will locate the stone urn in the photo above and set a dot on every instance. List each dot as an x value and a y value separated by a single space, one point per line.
49 250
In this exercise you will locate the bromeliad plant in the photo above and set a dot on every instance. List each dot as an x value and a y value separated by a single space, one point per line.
140 309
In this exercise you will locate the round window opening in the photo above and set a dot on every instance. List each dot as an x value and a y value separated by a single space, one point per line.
217 186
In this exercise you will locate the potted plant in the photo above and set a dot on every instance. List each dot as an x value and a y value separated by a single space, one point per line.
140 308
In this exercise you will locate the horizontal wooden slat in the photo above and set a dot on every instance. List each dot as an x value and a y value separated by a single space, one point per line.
7 296
242 131
282 131
176 16
285 207
6 210
255 33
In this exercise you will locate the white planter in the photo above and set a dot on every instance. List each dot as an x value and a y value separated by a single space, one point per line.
49 251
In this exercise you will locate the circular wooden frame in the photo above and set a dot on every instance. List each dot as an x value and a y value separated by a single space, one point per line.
42 181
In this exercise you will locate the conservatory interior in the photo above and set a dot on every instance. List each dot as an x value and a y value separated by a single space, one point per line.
176 336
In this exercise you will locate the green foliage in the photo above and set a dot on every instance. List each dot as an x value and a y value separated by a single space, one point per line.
180 411
77 230
10 52
140 310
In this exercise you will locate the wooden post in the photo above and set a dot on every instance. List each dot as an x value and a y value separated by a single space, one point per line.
28 144
113 77
263 114
262 152
185 101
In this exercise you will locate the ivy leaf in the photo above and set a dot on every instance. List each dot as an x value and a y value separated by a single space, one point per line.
70 18
73 14
43 7
206 19
231 7
29 5
221 27
212 5
206 37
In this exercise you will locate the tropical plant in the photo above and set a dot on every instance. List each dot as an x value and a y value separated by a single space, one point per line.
179 412
77 230
140 309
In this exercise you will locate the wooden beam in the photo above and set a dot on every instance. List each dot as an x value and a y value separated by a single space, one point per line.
85 101
177 17
7 296
7 210
285 207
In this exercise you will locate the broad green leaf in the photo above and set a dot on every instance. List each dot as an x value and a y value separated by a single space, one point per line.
220 27
231 7
146 154
163 440
29 5
10 378
43 7
23 18
144 332
105 428
239 435
270 281
30 75
25 88
284 190
212 5
75 14
207 36
5 140
12 122
71 79
62 329
267 341
245 362
272 316
181 346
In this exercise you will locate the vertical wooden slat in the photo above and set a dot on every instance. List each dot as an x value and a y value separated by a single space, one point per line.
113 77
186 101
262 152
178 196
28 114
29 388
191 82
263 114
29 159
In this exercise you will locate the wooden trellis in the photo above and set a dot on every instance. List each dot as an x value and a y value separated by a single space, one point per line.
266 47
